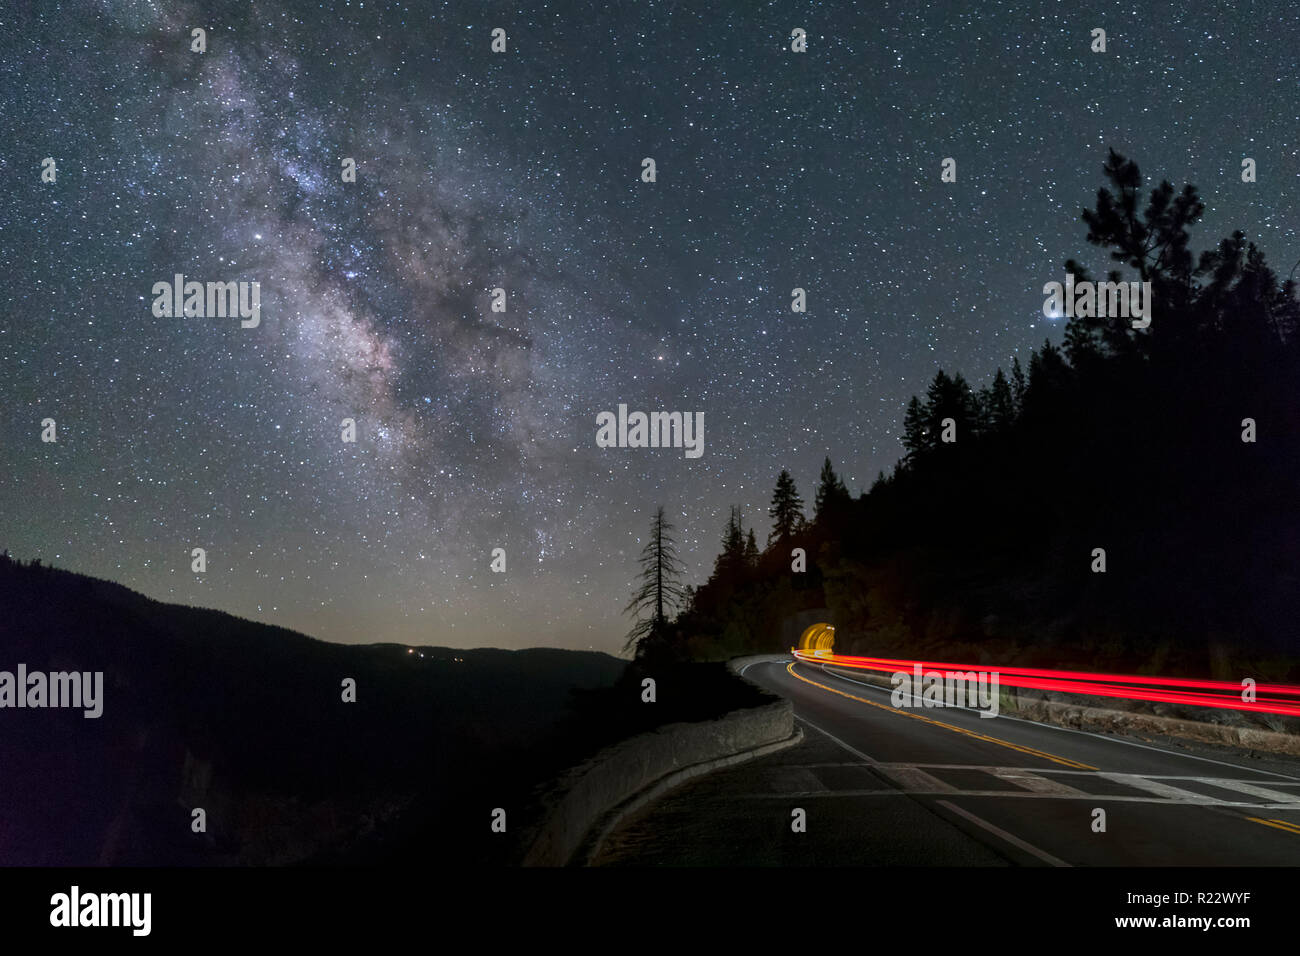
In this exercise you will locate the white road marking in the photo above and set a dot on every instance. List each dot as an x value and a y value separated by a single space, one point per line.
1262 792
915 779
853 750
1037 784
1020 795
1009 837
1158 788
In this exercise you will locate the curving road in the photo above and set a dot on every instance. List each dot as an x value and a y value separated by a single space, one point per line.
946 787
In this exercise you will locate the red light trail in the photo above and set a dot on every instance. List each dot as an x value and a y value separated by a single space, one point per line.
1225 695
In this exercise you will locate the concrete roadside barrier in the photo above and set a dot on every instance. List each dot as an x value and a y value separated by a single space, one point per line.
590 800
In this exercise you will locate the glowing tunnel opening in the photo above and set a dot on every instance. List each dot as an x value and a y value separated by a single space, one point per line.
819 639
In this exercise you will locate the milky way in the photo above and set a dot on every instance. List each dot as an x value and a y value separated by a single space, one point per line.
521 170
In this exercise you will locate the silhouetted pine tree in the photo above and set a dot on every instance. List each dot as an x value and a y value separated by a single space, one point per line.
832 496
660 590
1017 384
730 563
914 434
1001 404
949 397
786 511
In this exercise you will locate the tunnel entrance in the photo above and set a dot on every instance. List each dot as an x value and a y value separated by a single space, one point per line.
818 639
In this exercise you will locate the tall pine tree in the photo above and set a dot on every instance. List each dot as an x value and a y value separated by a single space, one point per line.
659 592
1002 403
831 495
1018 384
914 431
731 560
786 511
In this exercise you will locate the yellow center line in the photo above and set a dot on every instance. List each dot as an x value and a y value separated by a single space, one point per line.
939 723
1282 825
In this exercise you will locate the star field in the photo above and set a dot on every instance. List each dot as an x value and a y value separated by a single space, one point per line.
521 170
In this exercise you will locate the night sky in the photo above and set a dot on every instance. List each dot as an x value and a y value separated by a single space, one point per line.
522 170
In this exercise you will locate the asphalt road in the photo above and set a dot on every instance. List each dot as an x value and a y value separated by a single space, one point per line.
947 787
